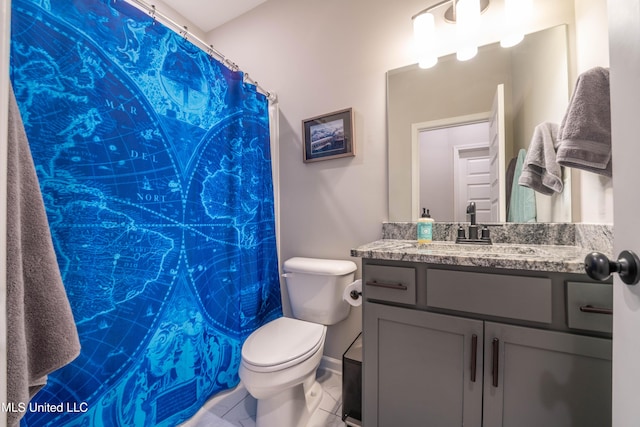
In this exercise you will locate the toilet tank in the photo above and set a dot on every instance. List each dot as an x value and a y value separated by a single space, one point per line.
315 288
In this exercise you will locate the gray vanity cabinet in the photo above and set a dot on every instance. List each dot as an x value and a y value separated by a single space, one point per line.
545 378
421 373
433 357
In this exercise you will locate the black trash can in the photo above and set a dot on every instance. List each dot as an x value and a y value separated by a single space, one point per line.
352 383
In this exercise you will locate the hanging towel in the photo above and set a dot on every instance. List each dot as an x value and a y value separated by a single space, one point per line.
540 171
511 169
585 132
522 206
41 332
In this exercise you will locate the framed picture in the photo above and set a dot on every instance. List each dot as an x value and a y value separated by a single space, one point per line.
328 136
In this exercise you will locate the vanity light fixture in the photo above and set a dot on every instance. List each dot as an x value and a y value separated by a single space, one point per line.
466 15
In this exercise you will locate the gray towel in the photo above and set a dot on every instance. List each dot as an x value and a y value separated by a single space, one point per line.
541 172
585 132
41 332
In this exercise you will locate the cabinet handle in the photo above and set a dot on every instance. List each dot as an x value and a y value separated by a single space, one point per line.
597 310
474 357
495 349
396 286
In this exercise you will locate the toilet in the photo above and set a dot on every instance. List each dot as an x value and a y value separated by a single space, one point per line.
280 359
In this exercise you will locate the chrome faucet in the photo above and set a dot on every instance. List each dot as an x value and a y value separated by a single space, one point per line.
471 211
473 229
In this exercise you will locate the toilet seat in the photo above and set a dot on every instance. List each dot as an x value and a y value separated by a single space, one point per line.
282 343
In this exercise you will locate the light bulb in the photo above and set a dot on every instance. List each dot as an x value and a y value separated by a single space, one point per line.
467 28
424 29
516 13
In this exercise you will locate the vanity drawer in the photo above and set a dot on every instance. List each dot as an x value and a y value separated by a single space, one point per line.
394 284
590 306
515 297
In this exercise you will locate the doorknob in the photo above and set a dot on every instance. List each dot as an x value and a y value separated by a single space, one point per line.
599 267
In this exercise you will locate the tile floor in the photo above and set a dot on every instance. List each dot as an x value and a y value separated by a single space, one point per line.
237 408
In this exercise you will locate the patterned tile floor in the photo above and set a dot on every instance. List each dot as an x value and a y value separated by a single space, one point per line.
237 408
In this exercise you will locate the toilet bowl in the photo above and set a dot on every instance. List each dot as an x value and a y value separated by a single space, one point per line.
280 359
279 363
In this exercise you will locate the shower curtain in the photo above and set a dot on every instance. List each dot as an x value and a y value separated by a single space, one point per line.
155 167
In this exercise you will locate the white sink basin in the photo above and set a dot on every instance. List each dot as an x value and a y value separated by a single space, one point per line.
479 249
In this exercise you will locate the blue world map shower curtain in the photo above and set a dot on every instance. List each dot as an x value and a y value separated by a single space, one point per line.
154 164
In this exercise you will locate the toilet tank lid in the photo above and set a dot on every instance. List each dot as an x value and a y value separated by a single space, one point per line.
319 266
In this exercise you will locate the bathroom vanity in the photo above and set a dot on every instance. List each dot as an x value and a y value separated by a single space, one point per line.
499 335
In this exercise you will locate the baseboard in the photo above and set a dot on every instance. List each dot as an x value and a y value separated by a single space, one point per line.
331 364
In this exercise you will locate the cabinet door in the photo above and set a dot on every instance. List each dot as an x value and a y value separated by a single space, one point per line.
418 369
545 378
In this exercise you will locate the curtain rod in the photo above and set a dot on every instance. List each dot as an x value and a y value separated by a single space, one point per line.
208 48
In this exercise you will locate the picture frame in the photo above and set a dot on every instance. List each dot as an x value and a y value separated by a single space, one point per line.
329 136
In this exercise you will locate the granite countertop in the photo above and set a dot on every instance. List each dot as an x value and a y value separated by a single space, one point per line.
551 258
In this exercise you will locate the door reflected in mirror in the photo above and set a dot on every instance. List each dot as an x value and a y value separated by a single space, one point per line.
455 168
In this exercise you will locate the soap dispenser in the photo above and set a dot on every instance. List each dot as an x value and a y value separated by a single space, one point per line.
425 228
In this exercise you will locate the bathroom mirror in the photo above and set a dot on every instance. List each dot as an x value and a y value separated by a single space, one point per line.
534 77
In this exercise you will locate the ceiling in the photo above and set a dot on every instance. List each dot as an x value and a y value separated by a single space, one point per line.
209 14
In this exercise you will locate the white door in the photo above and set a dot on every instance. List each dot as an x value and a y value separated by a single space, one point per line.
472 182
5 26
497 145
624 53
